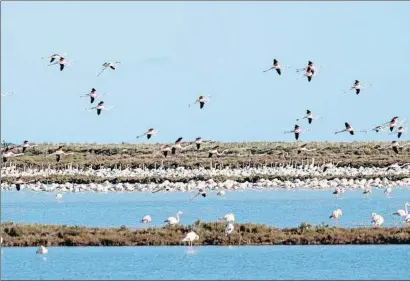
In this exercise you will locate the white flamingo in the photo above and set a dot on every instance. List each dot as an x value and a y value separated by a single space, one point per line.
42 250
229 229
230 217
146 219
174 220
377 220
106 65
190 238
401 212
59 196
336 214
221 193
388 191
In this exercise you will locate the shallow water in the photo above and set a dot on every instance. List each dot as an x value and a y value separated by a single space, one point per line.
216 263
279 208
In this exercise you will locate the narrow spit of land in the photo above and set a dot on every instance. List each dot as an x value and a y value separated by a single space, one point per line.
26 235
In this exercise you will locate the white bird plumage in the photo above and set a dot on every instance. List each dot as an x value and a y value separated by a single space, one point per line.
377 220
42 250
229 229
190 238
401 212
146 219
228 218
173 220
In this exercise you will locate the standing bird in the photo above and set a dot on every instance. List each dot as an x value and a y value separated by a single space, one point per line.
388 191
276 66
151 132
106 65
201 100
190 238
310 117
402 213
336 214
93 95
58 152
42 250
26 145
100 107
146 219
229 228
297 131
214 150
8 152
173 220
230 217
377 220
59 196
367 192
338 191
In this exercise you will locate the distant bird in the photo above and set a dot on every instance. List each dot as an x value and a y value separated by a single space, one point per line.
367 191
394 122
309 71
349 129
6 94
42 250
59 196
173 220
297 131
377 220
336 214
100 107
310 117
407 219
400 130
62 62
338 191
201 100
303 148
26 145
165 149
112 65
376 129
177 145
396 147
230 217
8 152
151 132
214 151
220 193
229 228
402 213
276 66
146 219
18 182
201 192
93 95
388 191
190 238
357 87
58 152
55 56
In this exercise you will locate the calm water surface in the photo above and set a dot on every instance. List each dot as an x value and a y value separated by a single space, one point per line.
280 208
263 262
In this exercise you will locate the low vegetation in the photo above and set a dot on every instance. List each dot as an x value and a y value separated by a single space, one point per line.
210 233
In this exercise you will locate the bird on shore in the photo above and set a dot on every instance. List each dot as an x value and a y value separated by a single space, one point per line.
59 152
402 213
377 220
146 219
190 238
297 131
338 191
151 132
214 151
230 217
310 117
8 152
173 220
93 95
201 100
100 107
42 250
106 65
276 66
229 228
336 214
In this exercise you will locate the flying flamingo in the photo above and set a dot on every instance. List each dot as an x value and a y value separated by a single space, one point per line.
394 122
6 94
18 182
190 238
297 131
376 129
349 129
303 148
177 145
400 130
165 149
201 192
93 95
26 145
55 56
58 152
357 87
201 100
151 132
310 117
214 150
62 62
100 107
173 220
310 70
276 66
8 152
106 65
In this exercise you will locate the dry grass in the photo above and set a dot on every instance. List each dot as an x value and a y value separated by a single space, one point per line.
239 155
23 235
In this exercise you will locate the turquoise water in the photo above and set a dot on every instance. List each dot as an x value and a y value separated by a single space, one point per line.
212 263
280 208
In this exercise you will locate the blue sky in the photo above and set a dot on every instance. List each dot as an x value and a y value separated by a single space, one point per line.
173 51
